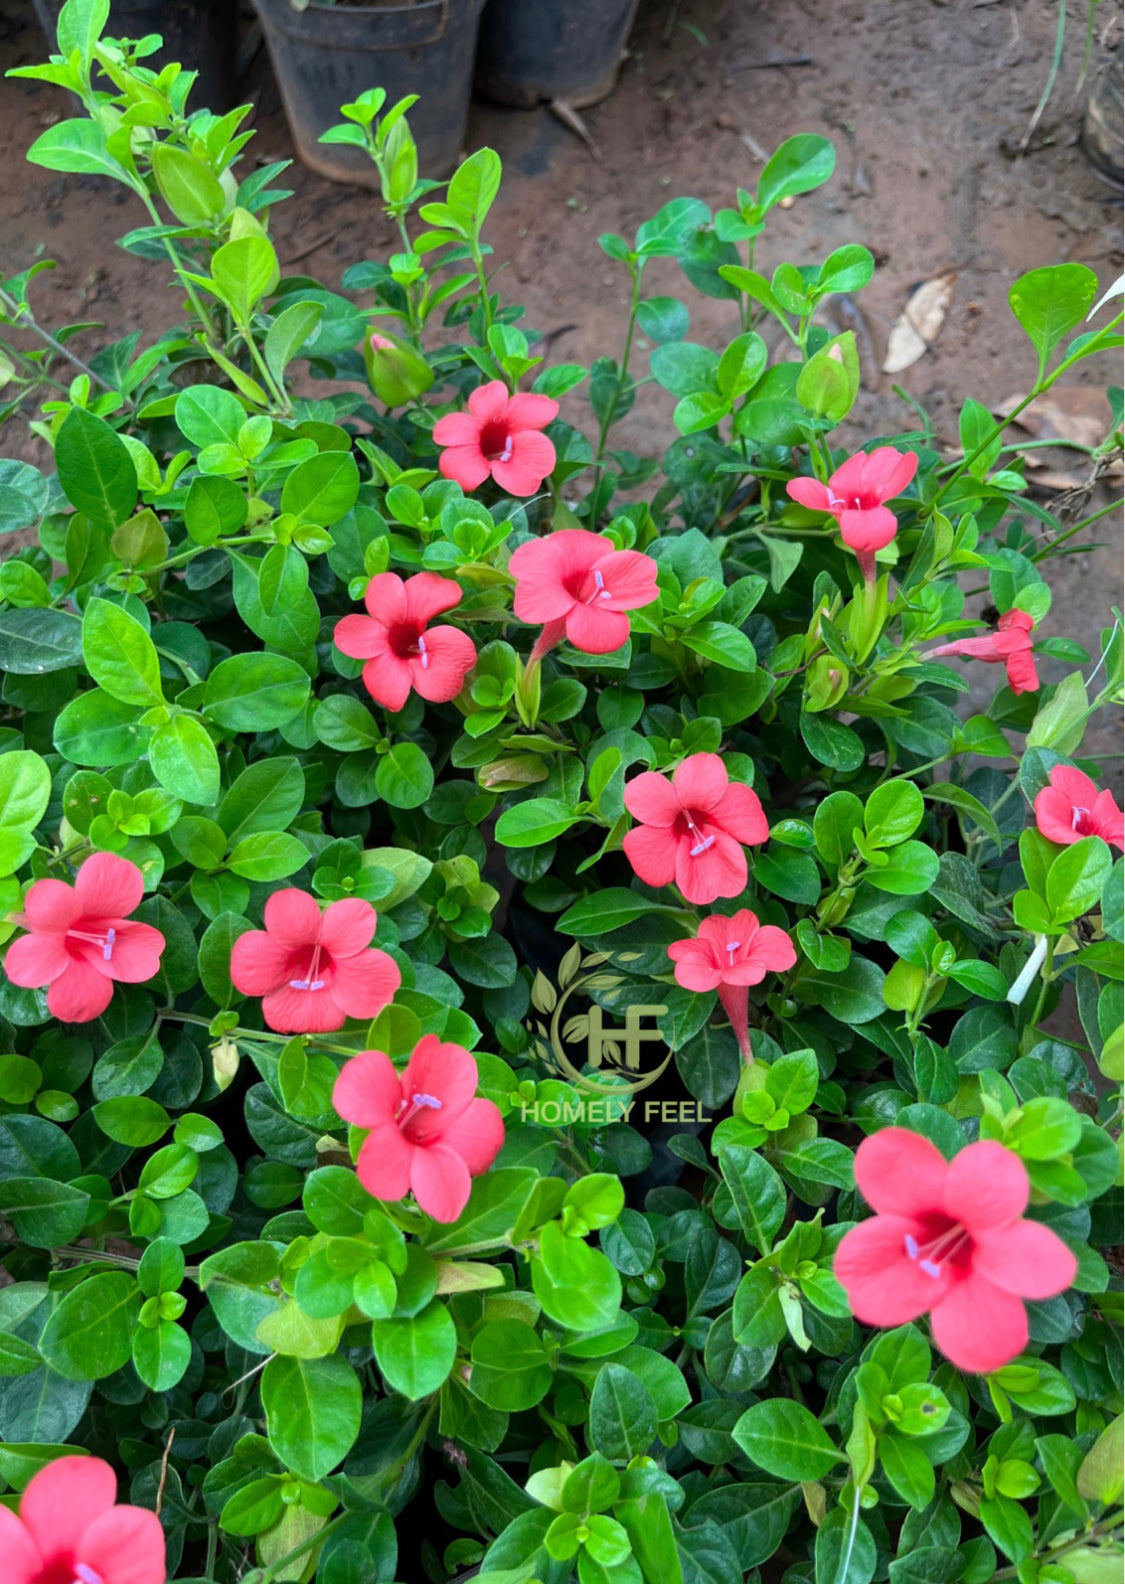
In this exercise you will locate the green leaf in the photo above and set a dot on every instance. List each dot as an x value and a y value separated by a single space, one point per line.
96 471
184 760
893 812
95 729
1049 303
784 1438
207 415
473 188
80 25
132 1119
78 147
312 1409
404 777
120 655
25 790
192 192
416 1354
532 823
161 1355
1099 1478
17 1357
758 1193
511 1367
288 333
576 1284
1077 877
36 641
245 271
255 692
89 1333
45 1214
603 911
800 164
214 507
269 855
267 796
623 1415
323 489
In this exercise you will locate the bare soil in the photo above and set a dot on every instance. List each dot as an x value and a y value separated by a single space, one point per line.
926 101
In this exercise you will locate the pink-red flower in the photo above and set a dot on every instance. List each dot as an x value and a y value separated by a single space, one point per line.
729 955
314 970
693 829
81 941
1010 643
580 587
427 1133
69 1530
401 650
949 1240
498 436
1071 807
856 496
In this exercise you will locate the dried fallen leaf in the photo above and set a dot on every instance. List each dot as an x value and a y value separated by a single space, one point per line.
1077 413
919 322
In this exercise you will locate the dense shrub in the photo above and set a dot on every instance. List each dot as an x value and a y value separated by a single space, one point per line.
349 708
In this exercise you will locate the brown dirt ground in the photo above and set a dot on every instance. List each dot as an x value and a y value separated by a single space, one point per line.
924 99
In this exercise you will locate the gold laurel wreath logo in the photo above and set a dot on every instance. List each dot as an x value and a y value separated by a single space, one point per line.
615 1051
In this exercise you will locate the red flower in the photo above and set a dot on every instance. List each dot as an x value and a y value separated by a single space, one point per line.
314 970
855 496
578 585
499 435
1011 643
401 651
693 829
81 941
69 1529
427 1132
949 1241
730 955
1072 807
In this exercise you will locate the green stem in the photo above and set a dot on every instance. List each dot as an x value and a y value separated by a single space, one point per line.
25 319
1049 549
1045 983
1106 1527
276 391
606 423
174 259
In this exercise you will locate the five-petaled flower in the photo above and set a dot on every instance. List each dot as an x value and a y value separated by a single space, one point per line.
69 1530
856 496
81 940
402 652
729 955
579 586
1009 643
314 970
498 436
1071 807
949 1240
693 829
428 1134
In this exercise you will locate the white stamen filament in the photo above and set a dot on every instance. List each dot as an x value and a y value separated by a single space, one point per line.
928 1256
702 842
506 454
1077 815
423 652
600 590
312 982
407 1109
733 946
104 941
84 1574
1029 973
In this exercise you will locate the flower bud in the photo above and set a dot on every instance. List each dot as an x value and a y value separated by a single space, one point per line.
396 373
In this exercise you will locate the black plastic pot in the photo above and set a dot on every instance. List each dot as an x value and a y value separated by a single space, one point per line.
326 55
531 50
201 34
